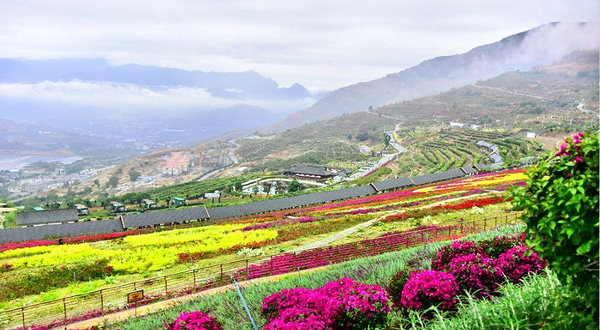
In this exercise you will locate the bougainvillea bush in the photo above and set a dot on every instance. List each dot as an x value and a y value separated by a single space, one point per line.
193 321
449 252
475 274
517 262
430 288
465 267
338 305
560 208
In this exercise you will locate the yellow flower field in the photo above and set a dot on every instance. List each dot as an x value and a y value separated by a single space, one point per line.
139 253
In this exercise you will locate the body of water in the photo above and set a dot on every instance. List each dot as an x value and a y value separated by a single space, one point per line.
16 161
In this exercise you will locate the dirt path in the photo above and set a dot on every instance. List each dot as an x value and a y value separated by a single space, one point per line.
511 92
384 116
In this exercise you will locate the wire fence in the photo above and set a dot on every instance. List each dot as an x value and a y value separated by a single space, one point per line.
74 308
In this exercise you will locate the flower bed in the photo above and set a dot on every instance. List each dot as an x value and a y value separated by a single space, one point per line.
339 305
472 203
193 321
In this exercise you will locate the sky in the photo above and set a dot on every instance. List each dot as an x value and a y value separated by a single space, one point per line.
322 45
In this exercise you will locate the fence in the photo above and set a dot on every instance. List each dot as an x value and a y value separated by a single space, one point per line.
69 309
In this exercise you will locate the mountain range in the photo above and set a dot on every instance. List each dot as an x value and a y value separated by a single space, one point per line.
228 85
523 51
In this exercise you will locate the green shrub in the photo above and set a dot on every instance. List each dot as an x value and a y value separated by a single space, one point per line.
560 204
396 286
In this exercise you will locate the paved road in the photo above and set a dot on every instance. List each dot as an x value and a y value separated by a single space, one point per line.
394 143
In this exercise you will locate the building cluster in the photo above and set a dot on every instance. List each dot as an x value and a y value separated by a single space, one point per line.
179 163
494 155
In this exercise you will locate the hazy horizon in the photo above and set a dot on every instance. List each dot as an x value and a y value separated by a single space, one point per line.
321 46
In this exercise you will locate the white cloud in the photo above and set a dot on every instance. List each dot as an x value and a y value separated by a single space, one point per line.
129 97
320 44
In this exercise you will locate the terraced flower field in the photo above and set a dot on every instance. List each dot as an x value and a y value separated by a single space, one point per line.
446 150
143 255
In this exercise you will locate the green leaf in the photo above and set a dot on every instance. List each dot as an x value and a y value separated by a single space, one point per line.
584 248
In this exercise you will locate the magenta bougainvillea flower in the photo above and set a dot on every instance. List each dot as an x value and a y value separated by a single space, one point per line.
194 321
517 262
338 305
430 288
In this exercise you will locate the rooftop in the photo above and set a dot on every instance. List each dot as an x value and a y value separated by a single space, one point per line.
316 170
50 216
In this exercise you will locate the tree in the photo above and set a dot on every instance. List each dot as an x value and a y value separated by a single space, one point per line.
112 182
10 220
362 136
238 185
560 204
350 137
133 175
386 139
294 186
266 188
97 183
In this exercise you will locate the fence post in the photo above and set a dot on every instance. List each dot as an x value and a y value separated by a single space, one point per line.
495 222
166 286
484 223
295 262
221 273
194 274
101 302
506 220
65 307
23 315
247 275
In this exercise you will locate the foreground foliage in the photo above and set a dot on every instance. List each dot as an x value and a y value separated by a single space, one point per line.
539 302
560 203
